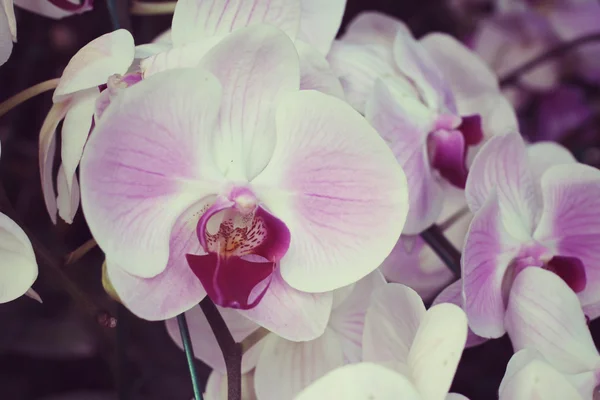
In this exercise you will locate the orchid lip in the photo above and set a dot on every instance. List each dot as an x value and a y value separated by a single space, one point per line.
243 252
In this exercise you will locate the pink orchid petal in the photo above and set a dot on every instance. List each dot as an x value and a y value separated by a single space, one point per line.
502 166
290 313
358 66
32 294
316 73
374 27
6 37
144 51
91 66
404 123
47 148
519 360
295 365
570 222
413 60
145 164
75 130
545 315
437 348
361 381
466 73
447 152
348 319
55 9
453 294
172 291
196 20
544 155
18 266
538 380
347 220
486 256
68 195
400 310
455 396
320 22
267 67
9 11
204 342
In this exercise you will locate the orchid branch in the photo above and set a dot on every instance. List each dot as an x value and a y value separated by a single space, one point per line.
189 354
512 77
445 250
156 8
232 351
27 94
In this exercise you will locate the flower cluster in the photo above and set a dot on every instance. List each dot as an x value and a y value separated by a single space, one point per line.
295 180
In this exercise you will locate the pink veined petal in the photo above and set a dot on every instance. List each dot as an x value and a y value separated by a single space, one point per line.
404 123
75 130
320 22
145 164
358 66
47 9
47 148
253 82
453 294
502 166
391 323
455 396
195 20
570 219
436 349
315 72
361 381
204 342
109 54
172 291
374 27
538 381
544 155
295 365
18 266
68 195
216 386
519 360
290 313
338 188
9 11
545 315
486 256
466 73
348 319
413 60
143 51
6 36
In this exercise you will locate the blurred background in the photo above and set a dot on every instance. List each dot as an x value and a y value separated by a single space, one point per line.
63 350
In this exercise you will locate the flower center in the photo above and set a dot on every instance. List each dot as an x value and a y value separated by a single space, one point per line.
243 243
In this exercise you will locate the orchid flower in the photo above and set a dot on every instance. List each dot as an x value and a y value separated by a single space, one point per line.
229 181
18 266
425 346
535 379
533 207
414 264
198 25
429 118
55 9
75 101
292 365
544 319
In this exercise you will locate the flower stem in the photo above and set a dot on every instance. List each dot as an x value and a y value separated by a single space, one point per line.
232 351
27 94
81 251
119 14
155 8
445 250
512 77
189 354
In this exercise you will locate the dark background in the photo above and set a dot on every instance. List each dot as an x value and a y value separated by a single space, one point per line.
59 350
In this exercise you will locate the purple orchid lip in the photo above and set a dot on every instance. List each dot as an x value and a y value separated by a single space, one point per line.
68 6
242 253
569 269
447 148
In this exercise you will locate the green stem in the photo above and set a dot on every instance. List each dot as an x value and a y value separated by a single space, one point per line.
189 354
